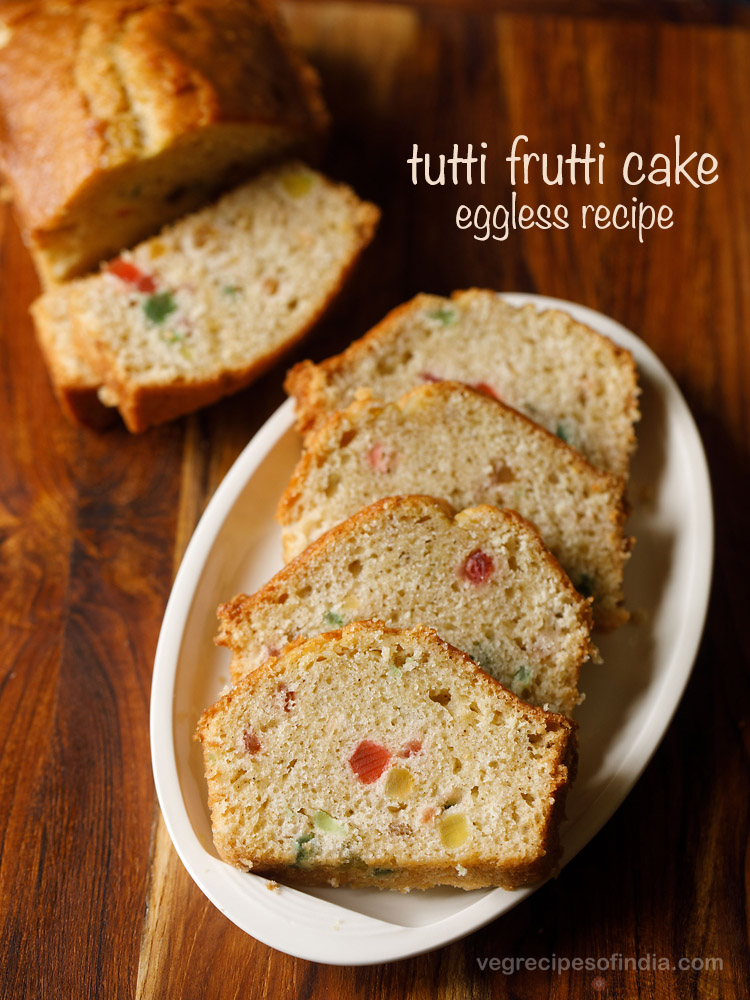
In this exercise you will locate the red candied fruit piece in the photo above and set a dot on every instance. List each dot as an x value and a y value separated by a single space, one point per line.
131 274
486 388
251 741
429 377
369 761
379 458
478 567
289 698
410 748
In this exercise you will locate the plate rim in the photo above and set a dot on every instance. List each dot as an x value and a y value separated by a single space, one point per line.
378 940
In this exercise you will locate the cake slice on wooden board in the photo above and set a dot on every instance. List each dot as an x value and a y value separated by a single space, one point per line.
481 578
448 441
75 384
202 309
118 117
565 376
385 758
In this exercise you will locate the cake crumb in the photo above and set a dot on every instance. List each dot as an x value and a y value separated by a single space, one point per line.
272 886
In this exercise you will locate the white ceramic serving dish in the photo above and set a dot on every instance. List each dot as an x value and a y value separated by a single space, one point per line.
629 703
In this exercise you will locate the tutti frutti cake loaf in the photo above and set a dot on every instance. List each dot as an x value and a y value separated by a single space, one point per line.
385 758
118 117
560 373
446 440
199 311
482 578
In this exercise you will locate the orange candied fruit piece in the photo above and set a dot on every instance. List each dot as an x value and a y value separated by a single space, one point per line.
410 748
380 459
251 741
369 760
486 388
131 275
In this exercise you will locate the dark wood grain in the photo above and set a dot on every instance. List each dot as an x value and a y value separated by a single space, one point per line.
94 902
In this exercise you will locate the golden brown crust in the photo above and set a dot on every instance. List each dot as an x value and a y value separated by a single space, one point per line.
334 421
510 874
82 405
606 617
89 88
465 663
242 605
307 382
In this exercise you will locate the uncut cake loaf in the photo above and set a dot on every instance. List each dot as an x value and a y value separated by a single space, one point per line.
385 758
117 117
449 441
481 578
199 311
561 374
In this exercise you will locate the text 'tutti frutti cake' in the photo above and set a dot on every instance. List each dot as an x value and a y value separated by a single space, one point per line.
385 758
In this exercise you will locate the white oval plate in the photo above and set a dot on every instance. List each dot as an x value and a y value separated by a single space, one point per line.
629 703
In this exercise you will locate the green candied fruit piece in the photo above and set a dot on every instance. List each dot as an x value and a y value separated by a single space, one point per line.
297 184
522 675
444 314
480 655
382 872
324 822
303 849
586 585
352 858
157 307
395 671
333 619
566 431
231 290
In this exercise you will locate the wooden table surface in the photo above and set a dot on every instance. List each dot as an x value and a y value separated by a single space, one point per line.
94 901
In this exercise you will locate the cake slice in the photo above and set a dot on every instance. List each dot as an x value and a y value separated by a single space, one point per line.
448 441
565 376
200 310
482 579
75 385
385 758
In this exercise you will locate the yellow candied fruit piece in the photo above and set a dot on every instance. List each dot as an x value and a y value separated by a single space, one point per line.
350 604
454 830
399 783
156 249
297 184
